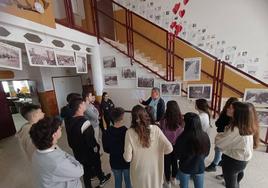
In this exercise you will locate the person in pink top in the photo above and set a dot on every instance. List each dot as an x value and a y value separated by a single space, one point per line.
172 127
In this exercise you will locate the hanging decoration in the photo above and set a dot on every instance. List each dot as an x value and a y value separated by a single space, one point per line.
179 12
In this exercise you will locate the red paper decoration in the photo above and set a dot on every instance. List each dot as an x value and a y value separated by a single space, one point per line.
176 8
185 2
181 13
172 25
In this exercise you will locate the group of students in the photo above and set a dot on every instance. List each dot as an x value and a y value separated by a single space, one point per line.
146 154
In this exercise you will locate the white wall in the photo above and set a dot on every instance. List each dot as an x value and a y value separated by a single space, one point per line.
126 94
240 23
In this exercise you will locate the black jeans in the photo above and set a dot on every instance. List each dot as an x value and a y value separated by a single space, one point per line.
170 166
91 171
233 171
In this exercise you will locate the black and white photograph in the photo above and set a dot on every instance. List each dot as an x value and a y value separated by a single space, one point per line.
41 55
129 73
110 80
145 82
170 89
262 117
192 69
258 97
200 91
109 62
81 62
65 58
10 57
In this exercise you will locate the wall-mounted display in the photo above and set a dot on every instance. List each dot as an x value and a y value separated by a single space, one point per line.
81 62
258 97
65 58
109 62
10 57
145 82
41 55
198 91
110 80
170 89
192 69
129 73
262 117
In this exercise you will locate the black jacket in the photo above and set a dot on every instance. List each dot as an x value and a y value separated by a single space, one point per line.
189 162
66 113
83 144
160 107
113 143
222 122
107 107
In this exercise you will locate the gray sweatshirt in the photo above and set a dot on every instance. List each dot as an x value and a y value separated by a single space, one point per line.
92 114
55 168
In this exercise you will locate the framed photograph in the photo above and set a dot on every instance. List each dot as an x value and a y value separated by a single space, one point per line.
192 69
110 80
41 55
170 89
129 73
262 117
109 62
81 62
65 58
145 82
258 97
10 57
200 91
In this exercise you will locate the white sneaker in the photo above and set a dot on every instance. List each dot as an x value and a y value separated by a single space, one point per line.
174 181
167 184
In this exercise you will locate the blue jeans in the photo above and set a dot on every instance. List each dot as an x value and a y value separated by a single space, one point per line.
184 180
217 156
118 177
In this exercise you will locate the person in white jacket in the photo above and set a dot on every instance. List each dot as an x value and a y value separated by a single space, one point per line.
236 142
145 147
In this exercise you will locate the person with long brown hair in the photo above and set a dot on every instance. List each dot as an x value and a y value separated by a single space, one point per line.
223 121
145 147
237 142
172 127
191 148
202 107
256 135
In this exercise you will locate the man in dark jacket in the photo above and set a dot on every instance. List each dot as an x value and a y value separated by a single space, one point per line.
84 145
156 102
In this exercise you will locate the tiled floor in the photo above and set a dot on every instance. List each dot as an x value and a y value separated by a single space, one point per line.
15 170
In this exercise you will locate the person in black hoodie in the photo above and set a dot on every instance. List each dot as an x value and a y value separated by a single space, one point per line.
221 123
66 113
113 143
84 145
191 148
156 102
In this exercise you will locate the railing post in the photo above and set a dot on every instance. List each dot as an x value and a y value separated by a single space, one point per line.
173 57
213 87
93 16
221 85
131 35
217 88
167 54
96 25
127 31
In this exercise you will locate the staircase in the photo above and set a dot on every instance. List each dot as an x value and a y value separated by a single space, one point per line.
142 59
